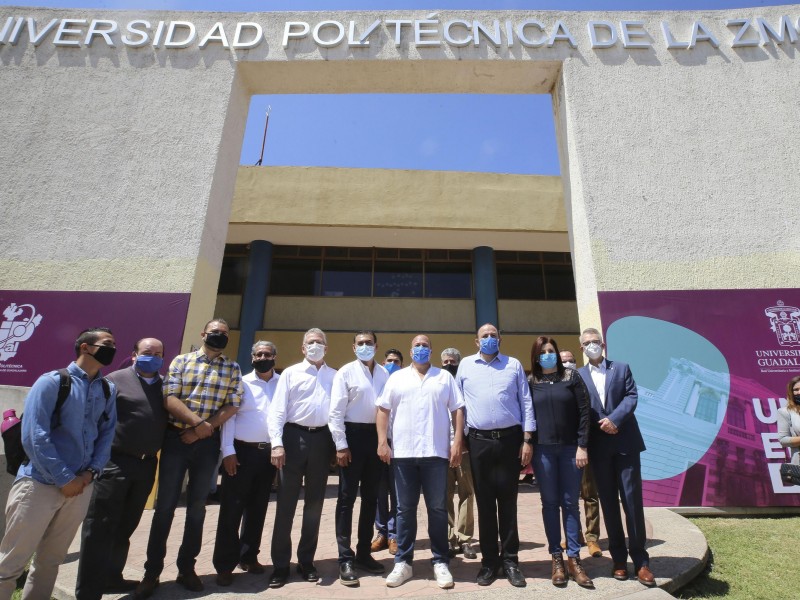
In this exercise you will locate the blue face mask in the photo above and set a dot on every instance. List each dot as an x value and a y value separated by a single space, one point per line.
548 361
365 352
148 364
489 345
392 367
421 354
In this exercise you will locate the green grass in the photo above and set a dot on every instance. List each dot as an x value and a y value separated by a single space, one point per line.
754 558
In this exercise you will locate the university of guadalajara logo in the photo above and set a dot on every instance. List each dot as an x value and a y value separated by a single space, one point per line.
19 323
785 323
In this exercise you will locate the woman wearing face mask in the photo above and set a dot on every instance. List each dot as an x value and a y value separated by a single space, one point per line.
789 420
561 406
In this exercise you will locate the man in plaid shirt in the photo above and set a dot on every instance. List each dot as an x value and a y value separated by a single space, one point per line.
202 390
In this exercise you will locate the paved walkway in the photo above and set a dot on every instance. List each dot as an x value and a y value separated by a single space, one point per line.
677 549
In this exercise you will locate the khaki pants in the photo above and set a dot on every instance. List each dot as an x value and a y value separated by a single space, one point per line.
591 505
40 519
461 527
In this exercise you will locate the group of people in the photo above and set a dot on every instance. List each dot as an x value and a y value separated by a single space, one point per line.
397 433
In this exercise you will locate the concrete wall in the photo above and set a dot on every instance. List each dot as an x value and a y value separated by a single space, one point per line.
678 163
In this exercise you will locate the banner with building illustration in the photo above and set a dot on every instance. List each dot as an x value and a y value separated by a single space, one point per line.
711 368
38 329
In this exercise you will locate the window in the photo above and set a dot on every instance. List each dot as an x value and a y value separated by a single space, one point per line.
707 406
534 276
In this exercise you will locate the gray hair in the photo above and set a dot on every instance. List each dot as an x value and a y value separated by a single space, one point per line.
273 348
451 352
318 331
591 330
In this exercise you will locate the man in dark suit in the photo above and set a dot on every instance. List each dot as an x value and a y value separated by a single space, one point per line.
615 445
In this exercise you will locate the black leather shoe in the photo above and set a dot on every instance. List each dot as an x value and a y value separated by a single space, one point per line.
146 587
469 551
279 577
190 581
308 572
224 579
486 575
514 576
368 564
347 574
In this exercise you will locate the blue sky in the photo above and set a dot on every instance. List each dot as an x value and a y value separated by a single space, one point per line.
498 133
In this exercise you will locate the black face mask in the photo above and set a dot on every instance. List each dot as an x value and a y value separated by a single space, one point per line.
104 354
452 369
218 341
263 365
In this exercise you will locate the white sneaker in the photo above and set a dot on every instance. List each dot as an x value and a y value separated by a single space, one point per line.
443 577
401 573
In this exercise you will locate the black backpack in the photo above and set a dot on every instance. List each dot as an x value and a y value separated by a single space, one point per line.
12 437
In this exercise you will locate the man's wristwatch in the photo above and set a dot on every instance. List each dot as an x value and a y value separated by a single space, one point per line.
528 441
93 472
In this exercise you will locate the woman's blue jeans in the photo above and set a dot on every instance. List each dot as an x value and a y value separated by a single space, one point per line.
559 487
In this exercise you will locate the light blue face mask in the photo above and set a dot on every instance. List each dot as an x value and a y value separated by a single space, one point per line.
148 364
421 354
489 345
548 361
365 352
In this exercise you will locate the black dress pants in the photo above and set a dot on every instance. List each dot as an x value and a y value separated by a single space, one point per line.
308 457
364 471
243 507
118 500
495 471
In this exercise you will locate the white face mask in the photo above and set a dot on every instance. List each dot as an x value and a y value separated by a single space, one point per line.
594 350
569 365
315 352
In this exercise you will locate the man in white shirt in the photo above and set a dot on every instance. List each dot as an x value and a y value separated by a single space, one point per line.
301 448
247 471
356 387
420 402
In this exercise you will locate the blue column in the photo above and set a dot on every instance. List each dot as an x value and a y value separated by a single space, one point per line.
485 281
254 300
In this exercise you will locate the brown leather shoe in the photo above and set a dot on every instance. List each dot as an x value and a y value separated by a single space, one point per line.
620 571
254 567
645 576
392 546
577 573
593 548
559 576
379 543
146 587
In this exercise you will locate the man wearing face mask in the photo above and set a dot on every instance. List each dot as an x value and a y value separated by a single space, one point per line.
615 445
591 504
386 515
67 447
419 404
301 448
121 492
461 522
247 471
202 390
356 387
501 425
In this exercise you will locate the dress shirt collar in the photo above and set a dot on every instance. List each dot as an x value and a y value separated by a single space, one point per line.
203 357
497 357
601 368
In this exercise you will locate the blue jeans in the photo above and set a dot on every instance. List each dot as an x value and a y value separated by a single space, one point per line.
559 486
430 475
200 460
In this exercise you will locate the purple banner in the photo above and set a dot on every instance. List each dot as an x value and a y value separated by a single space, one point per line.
711 367
38 329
